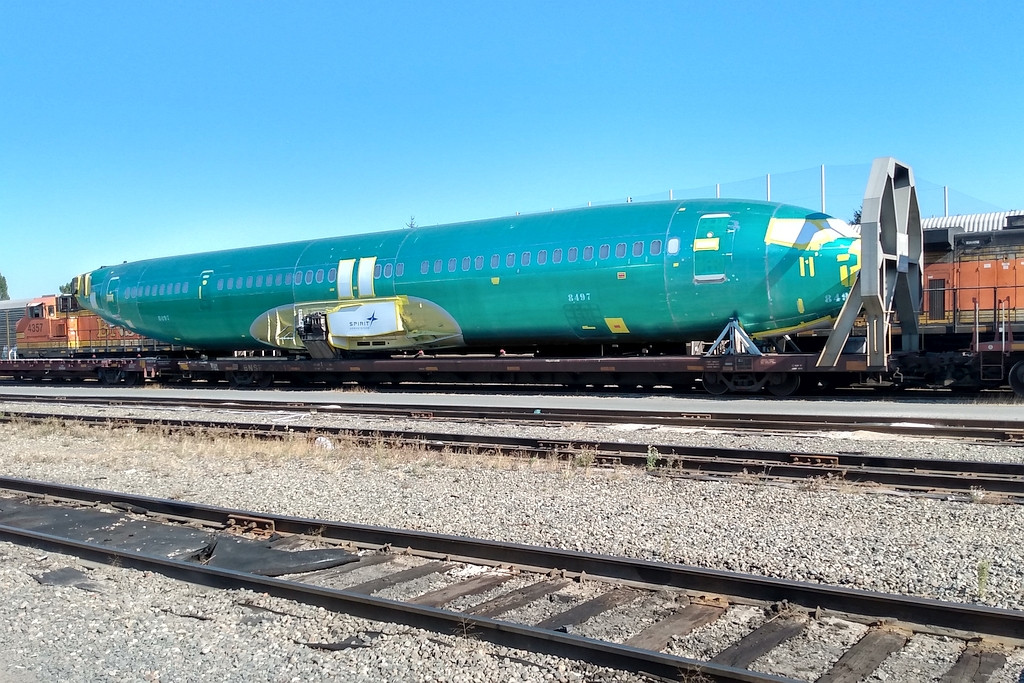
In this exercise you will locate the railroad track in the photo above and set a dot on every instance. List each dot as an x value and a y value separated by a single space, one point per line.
959 428
970 480
537 599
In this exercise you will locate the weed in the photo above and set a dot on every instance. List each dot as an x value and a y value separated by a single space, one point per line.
983 572
652 457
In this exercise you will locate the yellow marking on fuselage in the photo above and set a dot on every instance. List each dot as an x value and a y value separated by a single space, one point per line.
495 280
800 305
616 325
705 244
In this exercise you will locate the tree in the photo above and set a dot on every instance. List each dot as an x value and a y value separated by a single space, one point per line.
412 222
66 289
856 216
4 296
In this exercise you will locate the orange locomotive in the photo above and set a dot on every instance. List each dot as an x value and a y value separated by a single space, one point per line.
974 284
55 326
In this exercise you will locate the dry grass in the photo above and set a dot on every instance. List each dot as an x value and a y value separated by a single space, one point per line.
165 450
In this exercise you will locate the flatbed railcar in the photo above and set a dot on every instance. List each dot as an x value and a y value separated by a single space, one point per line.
773 270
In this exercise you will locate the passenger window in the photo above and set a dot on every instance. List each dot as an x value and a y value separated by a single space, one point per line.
377 271
309 277
673 245
478 263
259 280
332 274
638 248
556 256
184 288
298 277
177 288
319 275
510 260
163 289
388 270
495 260
655 247
453 264
466 261
573 253
620 250
220 286
525 259
231 283
437 266
542 257
277 279
288 278
400 270
248 282
604 251
425 267
588 253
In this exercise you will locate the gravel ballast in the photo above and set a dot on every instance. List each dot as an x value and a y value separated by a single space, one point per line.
139 626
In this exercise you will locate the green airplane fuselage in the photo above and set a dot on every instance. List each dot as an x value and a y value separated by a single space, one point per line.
660 272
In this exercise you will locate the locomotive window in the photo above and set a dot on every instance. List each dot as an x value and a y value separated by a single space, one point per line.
588 253
309 277
604 251
177 288
425 267
478 263
259 280
388 270
377 271
510 260
620 250
556 256
319 275
288 278
248 282
573 253
525 259
673 245
655 247
332 274
466 261
400 270
495 260
453 264
437 266
542 257
638 248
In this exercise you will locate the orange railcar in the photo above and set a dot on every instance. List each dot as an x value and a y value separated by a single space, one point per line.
979 282
55 326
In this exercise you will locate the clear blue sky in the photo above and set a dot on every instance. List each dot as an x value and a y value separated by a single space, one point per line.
131 130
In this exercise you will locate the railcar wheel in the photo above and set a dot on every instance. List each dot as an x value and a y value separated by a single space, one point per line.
714 383
783 384
1016 378
109 376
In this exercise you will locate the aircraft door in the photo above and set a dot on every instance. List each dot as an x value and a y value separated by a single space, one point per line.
345 269
113 305
205 291
712 247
